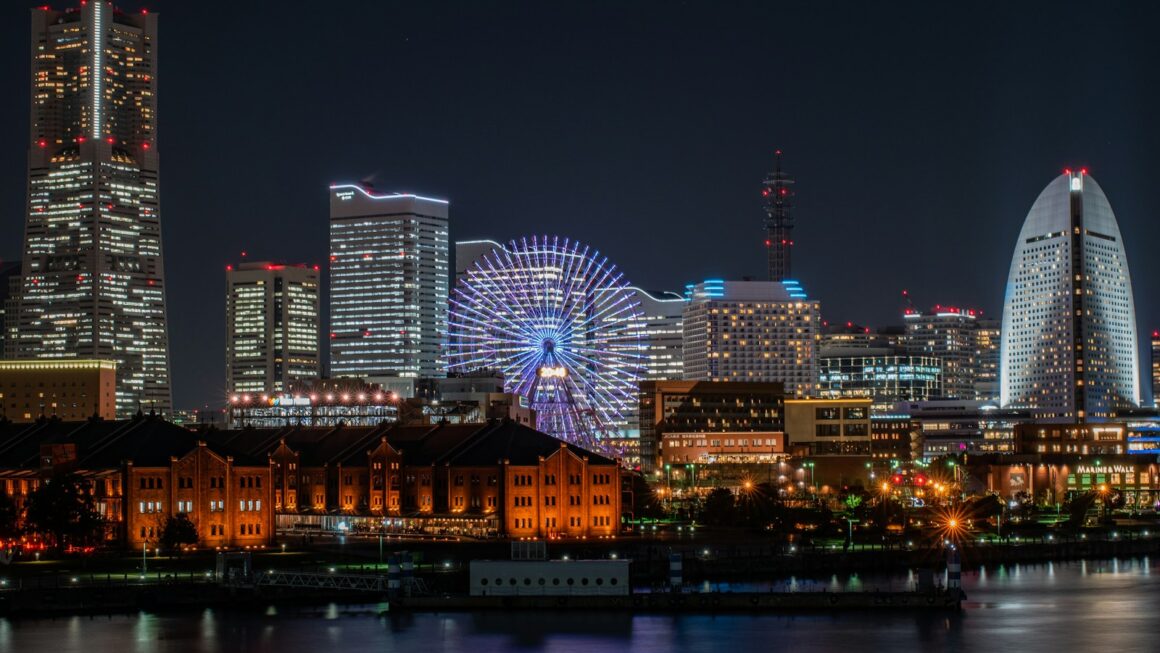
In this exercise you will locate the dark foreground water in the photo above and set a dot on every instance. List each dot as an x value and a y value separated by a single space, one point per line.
1079 606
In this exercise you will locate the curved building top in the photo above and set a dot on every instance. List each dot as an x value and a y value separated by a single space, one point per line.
1069 350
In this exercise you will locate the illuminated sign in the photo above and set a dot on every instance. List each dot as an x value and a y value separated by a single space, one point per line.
1105 469
553 372
286 400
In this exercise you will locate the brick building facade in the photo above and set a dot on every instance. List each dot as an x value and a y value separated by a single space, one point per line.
498 478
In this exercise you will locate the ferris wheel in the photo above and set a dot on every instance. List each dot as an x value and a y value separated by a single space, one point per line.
562 326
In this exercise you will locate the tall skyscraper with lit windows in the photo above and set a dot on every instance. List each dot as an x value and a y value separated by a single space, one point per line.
271 326
388 284
1155 366
661 317
949 334
1069 351
93 283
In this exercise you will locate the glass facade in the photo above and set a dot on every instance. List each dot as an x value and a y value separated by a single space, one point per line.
886 380
388 284
271 326
93 280
950 335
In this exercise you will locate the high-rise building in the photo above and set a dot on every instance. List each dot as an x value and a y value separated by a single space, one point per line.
757 331
272 326
1155 365
778 199
988 339
950 335
93 281
1069 351
9 307
388 284
848 336
661 314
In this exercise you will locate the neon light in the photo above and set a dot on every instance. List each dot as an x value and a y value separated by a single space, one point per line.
387 197
561 325
675 297
98 38
553 372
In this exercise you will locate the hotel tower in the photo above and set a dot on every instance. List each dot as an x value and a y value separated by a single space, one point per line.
1069 351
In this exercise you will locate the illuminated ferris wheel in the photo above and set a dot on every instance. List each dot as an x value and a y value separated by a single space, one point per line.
562 326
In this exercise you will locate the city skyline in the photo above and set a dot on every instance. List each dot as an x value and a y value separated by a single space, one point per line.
845 177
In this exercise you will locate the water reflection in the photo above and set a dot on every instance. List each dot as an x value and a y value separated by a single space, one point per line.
1065 606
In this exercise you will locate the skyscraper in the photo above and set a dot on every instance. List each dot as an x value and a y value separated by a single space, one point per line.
10 306
949 334
1069 350
271 326
93 280
777 197
759 331
388 284
661 315
1155 365
988 337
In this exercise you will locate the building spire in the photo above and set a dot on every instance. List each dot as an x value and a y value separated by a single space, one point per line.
777 197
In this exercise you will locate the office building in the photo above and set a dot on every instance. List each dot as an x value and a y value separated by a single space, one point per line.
10 307
70 390
849 336
886 378
1155 365
988 341
1069 351
388 284
661 316
752 331
950 335
684 408
93 282
272 327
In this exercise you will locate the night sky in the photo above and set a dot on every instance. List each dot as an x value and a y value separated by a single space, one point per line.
919 135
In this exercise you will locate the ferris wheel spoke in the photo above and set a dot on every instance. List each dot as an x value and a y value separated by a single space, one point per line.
478 307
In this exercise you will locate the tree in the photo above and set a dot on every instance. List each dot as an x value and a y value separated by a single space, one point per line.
9 518
178 530
62 510
720 508
757 505
644 500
